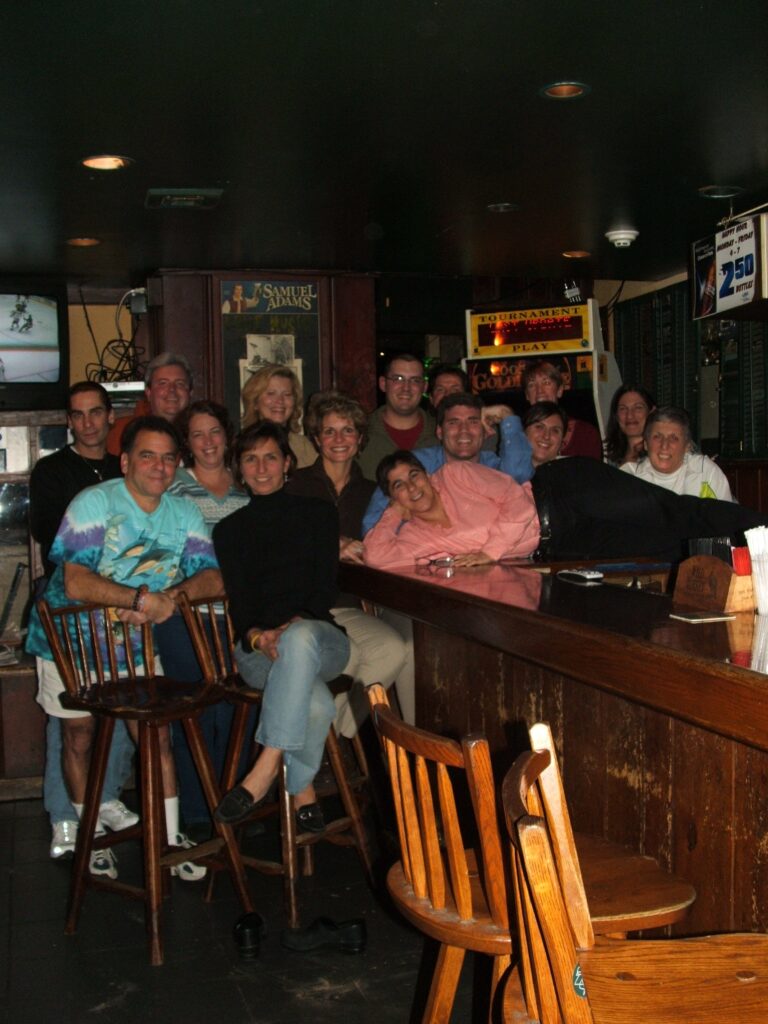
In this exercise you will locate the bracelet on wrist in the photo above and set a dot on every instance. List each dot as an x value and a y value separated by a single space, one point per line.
139 598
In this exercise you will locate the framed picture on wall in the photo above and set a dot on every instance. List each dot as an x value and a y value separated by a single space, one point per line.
268 322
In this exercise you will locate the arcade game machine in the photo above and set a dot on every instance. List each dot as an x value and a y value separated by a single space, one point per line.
501 344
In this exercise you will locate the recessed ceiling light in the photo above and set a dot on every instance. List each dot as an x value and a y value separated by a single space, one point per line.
577 254
564 90
106 162
502 207
83 243
720 191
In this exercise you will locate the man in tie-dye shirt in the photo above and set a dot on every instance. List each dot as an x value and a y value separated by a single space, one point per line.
125 543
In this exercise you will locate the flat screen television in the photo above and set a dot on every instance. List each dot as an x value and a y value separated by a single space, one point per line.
34 343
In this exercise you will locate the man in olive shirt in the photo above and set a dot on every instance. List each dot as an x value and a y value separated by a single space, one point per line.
400 423
55 481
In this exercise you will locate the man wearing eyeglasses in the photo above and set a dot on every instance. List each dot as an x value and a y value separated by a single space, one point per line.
400 424
167 392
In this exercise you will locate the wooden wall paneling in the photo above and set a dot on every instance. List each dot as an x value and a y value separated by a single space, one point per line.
181 323
584 756
703 817
353 332
622 727
750 839
659 740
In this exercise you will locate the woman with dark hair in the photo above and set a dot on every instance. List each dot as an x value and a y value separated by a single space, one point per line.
630 407
545 425
206 435
279 557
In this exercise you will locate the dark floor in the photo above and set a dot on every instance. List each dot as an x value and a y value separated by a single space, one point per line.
102 973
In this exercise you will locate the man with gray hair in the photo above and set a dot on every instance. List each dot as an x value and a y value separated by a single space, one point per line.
167 390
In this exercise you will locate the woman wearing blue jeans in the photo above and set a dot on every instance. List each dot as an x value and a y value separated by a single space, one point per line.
279 559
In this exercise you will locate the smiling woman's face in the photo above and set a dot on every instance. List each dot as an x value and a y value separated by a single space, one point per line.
631 414
667 444
546 439
263 467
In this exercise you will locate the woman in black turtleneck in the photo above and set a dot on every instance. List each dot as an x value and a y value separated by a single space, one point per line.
279 558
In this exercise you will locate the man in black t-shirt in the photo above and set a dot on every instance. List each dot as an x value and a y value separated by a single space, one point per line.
55 481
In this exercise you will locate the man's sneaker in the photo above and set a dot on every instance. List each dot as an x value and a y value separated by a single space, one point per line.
63 840
104 862
187 871
116 816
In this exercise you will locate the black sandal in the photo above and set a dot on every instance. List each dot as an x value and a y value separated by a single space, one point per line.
309 818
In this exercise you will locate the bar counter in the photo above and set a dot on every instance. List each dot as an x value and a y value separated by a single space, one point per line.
662 731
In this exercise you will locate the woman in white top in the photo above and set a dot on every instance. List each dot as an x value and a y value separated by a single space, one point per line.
671 461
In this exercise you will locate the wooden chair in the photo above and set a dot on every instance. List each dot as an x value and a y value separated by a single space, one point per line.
108 671
212 633
450 880
624 891
686 981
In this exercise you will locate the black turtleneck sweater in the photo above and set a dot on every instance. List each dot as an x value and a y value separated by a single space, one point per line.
279 555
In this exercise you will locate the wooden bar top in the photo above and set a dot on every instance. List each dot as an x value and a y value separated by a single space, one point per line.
616 638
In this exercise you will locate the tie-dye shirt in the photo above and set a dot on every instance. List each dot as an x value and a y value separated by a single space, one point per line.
104 530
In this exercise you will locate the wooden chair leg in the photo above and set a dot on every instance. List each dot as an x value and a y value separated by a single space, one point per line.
93 788
289 850
235 745
208 782
442 991
349 800
154 830
499 971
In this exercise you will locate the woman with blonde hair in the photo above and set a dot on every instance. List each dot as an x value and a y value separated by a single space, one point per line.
273 393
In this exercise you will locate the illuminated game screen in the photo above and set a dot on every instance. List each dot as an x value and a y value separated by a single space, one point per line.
543 329
29 339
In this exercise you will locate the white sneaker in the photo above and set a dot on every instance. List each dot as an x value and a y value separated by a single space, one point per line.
64 839
187 871
116 816
104 862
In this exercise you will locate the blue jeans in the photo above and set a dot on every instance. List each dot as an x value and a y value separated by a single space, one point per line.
298 709
180 662
55 796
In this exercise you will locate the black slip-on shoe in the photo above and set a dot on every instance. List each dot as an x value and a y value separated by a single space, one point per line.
323 933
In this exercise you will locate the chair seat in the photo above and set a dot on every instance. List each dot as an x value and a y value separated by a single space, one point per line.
480 933
160 699
627 891
713 979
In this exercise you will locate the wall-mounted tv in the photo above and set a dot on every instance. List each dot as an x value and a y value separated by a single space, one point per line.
34 343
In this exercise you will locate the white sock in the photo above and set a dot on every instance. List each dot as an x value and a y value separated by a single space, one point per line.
172 818
99 830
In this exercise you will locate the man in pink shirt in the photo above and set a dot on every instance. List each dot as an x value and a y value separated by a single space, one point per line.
466 510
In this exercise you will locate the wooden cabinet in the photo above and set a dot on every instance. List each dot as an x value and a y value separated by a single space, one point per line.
191 313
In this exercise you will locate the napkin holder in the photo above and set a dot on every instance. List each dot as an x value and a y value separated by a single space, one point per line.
705 583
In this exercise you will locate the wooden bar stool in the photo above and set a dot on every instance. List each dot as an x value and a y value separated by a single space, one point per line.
449 882
625 891
212 633
108 670
704 980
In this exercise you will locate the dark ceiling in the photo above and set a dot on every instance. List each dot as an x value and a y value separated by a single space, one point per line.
361 135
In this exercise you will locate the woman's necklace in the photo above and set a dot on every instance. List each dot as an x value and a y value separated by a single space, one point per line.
91 464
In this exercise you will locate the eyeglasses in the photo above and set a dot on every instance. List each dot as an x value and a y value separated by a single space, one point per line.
443 566
398 378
